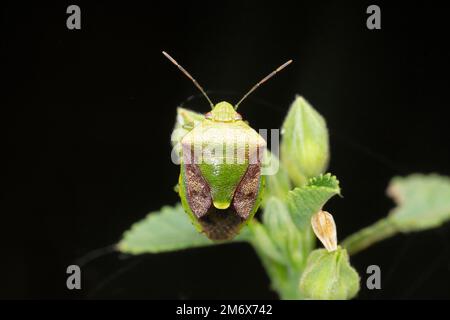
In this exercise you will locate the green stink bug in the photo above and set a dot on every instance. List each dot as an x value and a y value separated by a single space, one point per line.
220 182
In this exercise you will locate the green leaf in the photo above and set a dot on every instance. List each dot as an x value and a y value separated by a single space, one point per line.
186 120
167 230
305 201
263 244
423 202
329 276
282 230
305 145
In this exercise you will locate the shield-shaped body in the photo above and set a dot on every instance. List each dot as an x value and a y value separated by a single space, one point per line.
220 181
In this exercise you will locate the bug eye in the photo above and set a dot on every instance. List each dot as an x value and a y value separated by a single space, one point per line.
238 116
208 115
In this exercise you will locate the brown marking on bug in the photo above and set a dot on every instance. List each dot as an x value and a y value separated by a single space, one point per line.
198 191
220 225
247 191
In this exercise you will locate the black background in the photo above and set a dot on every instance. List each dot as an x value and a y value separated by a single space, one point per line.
87 115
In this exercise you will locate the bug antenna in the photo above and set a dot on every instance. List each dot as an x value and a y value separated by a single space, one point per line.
189 76
284 65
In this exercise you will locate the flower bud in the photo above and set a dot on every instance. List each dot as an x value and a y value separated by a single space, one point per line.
304 149
324 227
329 276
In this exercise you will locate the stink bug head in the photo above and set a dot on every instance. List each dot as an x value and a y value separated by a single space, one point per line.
223 112
220 183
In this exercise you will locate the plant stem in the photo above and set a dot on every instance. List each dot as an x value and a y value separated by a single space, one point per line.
363 238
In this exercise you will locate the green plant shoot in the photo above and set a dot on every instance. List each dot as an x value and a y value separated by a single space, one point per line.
221 198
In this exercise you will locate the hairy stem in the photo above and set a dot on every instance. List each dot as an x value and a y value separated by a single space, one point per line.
364 238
